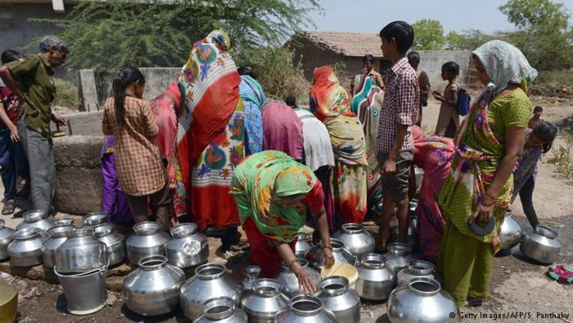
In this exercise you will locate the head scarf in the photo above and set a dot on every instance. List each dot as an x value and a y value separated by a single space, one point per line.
504 63
327 97
266 175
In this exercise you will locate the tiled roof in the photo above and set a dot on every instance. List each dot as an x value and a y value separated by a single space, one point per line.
347 44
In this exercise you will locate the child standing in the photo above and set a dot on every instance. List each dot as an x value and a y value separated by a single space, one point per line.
138 163
423 83
449 119
13 162
537 141
537 111
394 139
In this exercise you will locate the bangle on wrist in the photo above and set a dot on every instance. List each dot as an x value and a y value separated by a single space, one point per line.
291 263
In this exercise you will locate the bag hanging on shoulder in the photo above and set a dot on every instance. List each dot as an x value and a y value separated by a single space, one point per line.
463 105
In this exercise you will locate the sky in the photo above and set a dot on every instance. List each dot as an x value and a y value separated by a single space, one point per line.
372 15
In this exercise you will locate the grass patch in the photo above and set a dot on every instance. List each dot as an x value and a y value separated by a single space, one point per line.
66 94
562 156
558 77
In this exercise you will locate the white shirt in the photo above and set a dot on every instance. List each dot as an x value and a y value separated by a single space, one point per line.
317 146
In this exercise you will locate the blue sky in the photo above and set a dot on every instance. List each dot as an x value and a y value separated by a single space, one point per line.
372 15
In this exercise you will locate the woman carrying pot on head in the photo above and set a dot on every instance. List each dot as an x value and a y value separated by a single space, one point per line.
478 191
271 189
537 141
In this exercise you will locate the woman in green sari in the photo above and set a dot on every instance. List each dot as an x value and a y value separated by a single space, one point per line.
480 184
271 190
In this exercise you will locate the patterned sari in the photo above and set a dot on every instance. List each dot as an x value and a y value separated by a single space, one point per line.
329 102
259 179
366 104
253 98
210 135
434 155
466 259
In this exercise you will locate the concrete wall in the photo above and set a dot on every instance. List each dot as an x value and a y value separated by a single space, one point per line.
431 62
79 177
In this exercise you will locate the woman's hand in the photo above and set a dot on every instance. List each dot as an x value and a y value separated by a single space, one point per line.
327 257
304 280
483 212
14 133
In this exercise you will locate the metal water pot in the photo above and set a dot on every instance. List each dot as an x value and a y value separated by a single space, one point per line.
65 222
222 310
510 234
301 246
153 288
26 248
398 256
37 219
81 252
289 280
264 301
415 269
250 274
305 309
94 219
337 297
410 303
210 281
375 280
5 239
148 240
114 242
56 237
188 247
541 245
355 239
314 254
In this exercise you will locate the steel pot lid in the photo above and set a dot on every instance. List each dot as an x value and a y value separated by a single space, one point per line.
66 222
184 230
147 228
60 232
35 216
95 218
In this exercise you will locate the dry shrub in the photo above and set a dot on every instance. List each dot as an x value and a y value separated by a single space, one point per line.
279 75
66 94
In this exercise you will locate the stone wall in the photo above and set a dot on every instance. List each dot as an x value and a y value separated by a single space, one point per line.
79 176
431 61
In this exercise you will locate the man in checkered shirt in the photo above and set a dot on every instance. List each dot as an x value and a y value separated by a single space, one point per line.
395 146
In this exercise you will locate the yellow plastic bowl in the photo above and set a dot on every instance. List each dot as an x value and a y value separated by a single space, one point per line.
342 269
8 302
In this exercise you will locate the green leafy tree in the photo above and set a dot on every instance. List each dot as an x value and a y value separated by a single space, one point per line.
543 31
112 34
428 35
454 40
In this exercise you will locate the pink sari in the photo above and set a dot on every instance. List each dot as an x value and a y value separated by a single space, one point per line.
434 155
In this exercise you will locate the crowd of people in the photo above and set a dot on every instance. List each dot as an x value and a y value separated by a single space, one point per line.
214 150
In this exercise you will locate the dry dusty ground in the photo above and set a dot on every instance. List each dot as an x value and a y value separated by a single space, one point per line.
518 287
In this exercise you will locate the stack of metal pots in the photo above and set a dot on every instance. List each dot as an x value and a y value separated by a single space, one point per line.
188 247
210 281
81 267
153 288
355 239
149 239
